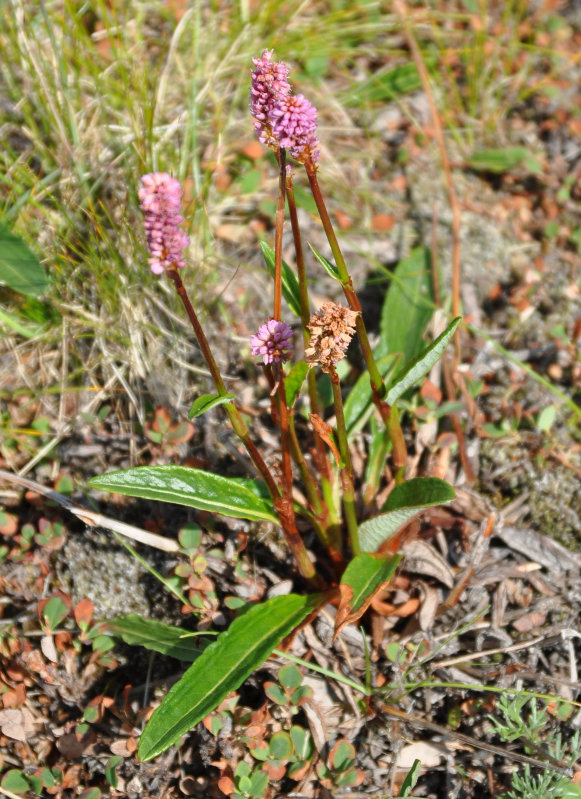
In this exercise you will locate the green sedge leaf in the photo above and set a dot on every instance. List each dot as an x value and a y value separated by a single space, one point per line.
329 268
222 667
14 323
231 496
110 770
207 401
358 405
20 269
294 381
408 306
155 635
290 283
421 365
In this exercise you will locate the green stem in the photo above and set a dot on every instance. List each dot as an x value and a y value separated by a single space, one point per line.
333 675
284 504
346 466
310 485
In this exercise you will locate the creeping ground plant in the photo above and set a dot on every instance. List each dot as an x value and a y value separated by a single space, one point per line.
356 554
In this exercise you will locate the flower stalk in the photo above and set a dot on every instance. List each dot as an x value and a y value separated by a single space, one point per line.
377 385
346 465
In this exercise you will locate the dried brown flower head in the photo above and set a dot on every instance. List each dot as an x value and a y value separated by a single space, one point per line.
331 328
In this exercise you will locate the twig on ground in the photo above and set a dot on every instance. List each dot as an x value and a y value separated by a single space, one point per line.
92 519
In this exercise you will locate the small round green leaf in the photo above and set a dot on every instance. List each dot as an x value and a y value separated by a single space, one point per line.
290 676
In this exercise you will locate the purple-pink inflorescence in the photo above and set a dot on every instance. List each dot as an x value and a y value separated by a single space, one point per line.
273 341
269 84
281 119
160 196
294 125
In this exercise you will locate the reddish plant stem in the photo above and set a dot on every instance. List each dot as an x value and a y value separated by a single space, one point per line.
322 459
346 466
284 504
281 503
279 224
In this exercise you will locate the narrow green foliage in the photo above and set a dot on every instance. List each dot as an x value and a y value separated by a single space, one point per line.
358 405
411 778
290 284
419 492
421 365
329 268
294 382
386 85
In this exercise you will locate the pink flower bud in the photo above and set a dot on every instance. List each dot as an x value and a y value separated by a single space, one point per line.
273 341
160 196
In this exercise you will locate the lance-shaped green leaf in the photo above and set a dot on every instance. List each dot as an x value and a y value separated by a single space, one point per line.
222 667
421 365
204 402
20 269
503 159
408 306
157 636
329 268
361 580
232 496
294 380
404 502
290 283
358 405
388 84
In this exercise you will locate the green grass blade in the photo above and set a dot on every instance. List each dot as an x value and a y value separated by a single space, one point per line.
421 365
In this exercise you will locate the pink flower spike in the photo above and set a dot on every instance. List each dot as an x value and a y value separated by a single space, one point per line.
160 196
294 126
273 341
269 84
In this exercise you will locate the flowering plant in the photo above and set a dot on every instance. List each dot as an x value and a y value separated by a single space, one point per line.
358 534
